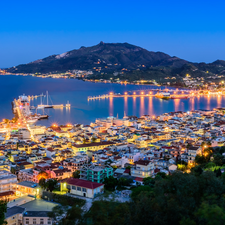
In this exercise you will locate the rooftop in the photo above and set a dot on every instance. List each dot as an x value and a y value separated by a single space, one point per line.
82 183
13 211
39 205
28 184
36 214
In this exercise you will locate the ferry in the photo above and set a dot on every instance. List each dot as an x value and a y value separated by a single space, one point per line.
163 95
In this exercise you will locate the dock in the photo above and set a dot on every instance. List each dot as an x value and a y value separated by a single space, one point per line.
138 93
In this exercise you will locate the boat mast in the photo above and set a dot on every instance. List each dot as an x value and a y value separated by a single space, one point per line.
41 98
47 96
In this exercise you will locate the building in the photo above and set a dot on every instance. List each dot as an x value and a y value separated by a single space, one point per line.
7 183
25 175
37 217
81 187
95 173
143 168
27 188
14 215
192 152
37 212
91 146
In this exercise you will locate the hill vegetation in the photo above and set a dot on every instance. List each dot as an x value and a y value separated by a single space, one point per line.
130 62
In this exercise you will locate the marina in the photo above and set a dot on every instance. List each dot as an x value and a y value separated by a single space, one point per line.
23 110
43 106
77 92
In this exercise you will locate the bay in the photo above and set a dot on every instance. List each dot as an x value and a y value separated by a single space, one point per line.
84 111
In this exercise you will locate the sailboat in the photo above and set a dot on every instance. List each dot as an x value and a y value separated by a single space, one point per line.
48 106
41 106
41 116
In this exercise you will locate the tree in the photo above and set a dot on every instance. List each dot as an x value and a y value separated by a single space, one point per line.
187 221
219 159
200 159
42 183
124 182
110 183
108 213
13 170
197 170
210 214
57 211
161 174
74 214
51 184
139 190
108 162
149 181
218 172
76 174
3 209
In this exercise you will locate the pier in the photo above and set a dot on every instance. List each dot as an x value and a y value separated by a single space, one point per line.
32 97
141 93
174 94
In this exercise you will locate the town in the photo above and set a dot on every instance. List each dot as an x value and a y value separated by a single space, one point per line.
78 161
208 82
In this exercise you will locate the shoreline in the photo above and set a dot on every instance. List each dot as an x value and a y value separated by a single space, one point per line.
139 82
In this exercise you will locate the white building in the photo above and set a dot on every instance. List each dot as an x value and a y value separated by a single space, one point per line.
81 187
7 181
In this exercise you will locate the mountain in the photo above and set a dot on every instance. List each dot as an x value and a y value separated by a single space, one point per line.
107 56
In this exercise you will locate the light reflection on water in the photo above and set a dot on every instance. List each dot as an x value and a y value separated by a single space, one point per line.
83 111
152 106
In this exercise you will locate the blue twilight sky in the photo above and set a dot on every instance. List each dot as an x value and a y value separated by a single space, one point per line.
192 30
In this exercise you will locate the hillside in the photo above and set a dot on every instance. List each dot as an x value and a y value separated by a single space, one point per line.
104 57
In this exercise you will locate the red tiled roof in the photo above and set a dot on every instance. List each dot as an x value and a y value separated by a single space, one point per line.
82 183
142 162
139 179
6 193
127 171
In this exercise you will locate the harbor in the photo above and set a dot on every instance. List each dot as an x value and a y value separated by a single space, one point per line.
24 111
77 92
